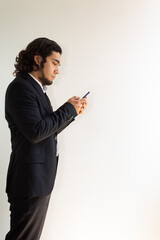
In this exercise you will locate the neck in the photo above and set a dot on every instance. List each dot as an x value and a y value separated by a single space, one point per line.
36 75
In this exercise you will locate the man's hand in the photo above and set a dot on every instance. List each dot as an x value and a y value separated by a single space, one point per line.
79 104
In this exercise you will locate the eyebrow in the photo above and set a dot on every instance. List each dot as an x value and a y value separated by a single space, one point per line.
57 61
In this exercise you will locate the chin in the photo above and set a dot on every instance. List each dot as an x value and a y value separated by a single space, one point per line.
49 82
46 81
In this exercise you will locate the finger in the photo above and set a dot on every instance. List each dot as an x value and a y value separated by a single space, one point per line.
77 98
84 104
82 101
79 112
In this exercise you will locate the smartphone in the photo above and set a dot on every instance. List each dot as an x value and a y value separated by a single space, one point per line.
86 95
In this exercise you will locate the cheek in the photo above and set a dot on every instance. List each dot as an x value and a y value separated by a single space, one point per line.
48 69
51 68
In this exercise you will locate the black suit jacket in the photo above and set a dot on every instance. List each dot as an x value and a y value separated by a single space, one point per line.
34 127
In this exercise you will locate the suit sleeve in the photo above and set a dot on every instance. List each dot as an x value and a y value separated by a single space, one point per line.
68 122
22 107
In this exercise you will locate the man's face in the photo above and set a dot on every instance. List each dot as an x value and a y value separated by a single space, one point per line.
50 69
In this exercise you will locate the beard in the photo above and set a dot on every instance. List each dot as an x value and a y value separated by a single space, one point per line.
44 80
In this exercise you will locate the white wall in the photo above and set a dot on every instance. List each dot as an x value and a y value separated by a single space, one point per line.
108 181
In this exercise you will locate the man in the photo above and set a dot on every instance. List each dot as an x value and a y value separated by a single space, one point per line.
34 127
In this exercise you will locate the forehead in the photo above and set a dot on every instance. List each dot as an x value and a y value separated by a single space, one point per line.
55 56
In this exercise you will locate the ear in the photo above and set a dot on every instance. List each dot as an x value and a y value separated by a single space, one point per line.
38 59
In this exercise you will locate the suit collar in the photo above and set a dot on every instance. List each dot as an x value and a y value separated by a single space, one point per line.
44 88
38 88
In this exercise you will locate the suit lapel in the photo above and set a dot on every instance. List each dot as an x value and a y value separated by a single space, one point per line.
40 92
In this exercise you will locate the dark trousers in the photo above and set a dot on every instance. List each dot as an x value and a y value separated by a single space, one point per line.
27 217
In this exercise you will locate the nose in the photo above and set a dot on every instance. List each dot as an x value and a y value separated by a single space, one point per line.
56 71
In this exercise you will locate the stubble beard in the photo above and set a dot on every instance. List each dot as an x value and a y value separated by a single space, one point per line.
44 80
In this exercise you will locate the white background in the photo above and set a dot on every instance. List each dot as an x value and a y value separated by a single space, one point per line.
108 180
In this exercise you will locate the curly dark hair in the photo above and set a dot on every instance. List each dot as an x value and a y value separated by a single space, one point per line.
41 46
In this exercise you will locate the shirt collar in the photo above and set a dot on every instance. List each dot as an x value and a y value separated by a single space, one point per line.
44 88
